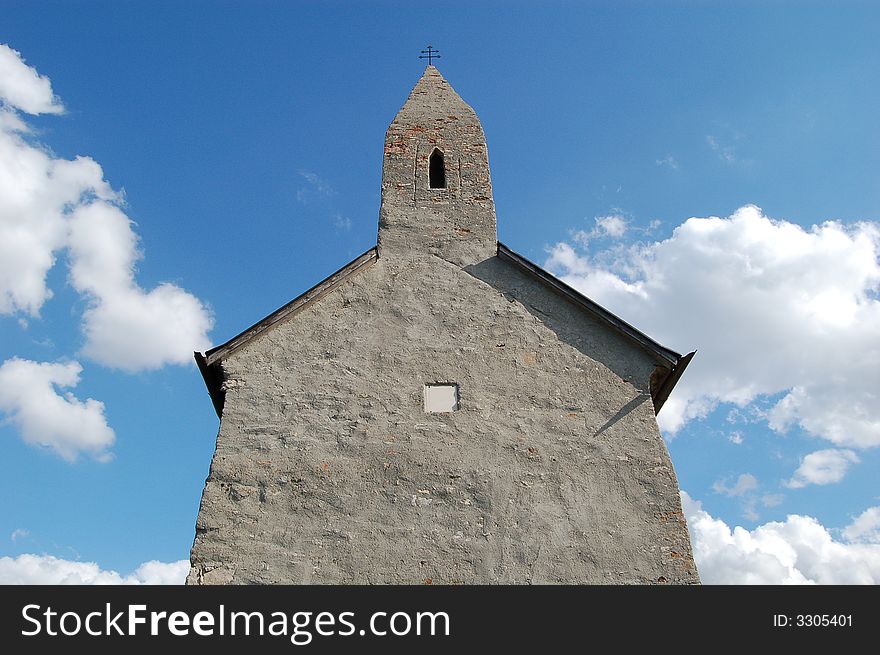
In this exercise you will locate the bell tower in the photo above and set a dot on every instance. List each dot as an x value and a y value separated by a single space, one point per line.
436 188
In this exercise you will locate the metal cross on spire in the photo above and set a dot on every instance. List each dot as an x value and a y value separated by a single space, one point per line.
430 54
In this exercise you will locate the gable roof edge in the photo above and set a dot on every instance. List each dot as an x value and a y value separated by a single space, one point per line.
210 364
293 307
210 367
611 320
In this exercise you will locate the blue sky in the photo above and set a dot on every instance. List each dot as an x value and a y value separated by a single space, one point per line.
244 140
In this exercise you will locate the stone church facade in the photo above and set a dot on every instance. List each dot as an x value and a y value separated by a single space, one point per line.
440 410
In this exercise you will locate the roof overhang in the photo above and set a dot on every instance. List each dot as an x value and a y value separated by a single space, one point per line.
210 363
670 364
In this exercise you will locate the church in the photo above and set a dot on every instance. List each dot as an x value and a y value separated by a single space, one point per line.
440 410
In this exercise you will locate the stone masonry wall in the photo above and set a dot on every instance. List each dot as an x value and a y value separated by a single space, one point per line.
328 470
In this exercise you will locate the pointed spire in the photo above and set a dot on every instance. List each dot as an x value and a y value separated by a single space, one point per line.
433 96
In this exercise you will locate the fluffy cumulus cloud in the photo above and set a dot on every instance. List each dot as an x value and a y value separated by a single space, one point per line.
612 226
776 310
125 326
21 86
50 205
48 570
30 399
35 192
823 467
799 550
865 528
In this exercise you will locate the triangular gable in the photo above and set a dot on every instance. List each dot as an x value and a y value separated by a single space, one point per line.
670 367
209 363
671 364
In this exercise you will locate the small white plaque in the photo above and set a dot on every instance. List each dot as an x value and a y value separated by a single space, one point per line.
441 398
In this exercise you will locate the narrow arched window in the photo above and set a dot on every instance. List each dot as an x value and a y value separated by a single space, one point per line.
436 170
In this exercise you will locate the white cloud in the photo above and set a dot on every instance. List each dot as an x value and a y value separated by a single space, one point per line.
611 225
341 223
47 205
317 186
35 190
822 467
865 528
23 88
772 307
772 500
125 326
744 484
19 533
48 570
744 488
727 153
799 550
668 160
735 437
44 417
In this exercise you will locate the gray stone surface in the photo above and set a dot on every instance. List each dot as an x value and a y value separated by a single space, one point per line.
329 470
